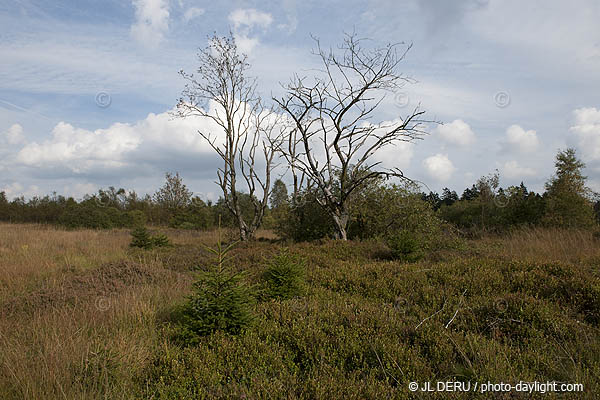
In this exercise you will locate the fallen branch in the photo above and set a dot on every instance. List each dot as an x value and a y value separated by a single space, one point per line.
456 312
432 315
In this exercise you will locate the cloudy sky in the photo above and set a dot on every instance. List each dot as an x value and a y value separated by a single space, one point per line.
86 86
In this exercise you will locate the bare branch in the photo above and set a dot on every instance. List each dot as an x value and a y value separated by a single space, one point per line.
333 114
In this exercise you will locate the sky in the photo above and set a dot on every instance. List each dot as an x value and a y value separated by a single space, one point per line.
87 87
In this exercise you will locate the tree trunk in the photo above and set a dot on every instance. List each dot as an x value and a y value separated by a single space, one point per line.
341 224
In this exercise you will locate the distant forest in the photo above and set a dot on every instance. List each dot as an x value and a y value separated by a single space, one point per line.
483 207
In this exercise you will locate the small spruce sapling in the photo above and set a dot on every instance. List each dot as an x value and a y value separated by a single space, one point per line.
284 275
221 299
143 239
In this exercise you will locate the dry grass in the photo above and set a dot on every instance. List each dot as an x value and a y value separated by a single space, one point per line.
31 253
77 307
82 317
544 245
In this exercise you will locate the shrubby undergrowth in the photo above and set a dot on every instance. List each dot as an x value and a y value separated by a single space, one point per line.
141 238
284 276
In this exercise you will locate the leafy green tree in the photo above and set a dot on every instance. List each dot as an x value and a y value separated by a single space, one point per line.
4 207
567 198
387 210
522 207
448 197
306 220
486 188
279 195
470 193
280 205
174 194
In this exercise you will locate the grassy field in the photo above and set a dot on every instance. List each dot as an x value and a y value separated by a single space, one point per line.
83 316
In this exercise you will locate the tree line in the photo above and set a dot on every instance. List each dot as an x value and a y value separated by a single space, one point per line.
378 208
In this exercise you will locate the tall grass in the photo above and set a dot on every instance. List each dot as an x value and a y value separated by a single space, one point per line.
83 316
545 244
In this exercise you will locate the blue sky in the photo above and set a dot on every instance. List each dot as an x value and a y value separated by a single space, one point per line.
86 86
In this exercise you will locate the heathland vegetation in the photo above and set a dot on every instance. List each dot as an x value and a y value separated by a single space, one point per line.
350 286
495 285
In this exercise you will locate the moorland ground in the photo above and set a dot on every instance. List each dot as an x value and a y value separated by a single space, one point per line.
84 316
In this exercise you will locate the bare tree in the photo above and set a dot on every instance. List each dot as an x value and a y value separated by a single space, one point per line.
245 138
331 139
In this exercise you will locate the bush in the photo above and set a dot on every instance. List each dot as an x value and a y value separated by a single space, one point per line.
135 218
221 302
192 218
143 239
305 220
285 275
404 246
398 215
160 240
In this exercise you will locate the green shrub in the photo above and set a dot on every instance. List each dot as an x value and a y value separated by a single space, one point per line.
404 246
221 301
305 219
143 239
135 218
160 240
192 218
285 275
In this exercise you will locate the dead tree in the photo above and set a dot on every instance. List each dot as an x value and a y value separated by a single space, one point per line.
245 140
331 139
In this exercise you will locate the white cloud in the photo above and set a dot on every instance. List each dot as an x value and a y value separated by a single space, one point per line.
398 155
14 134
244 22
80 149
250 18
151 21
456 132
290 8
587 132
85 64
521 140
119 146
16 189
78 190
192 13
525 25
512 169
153 145
439 167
